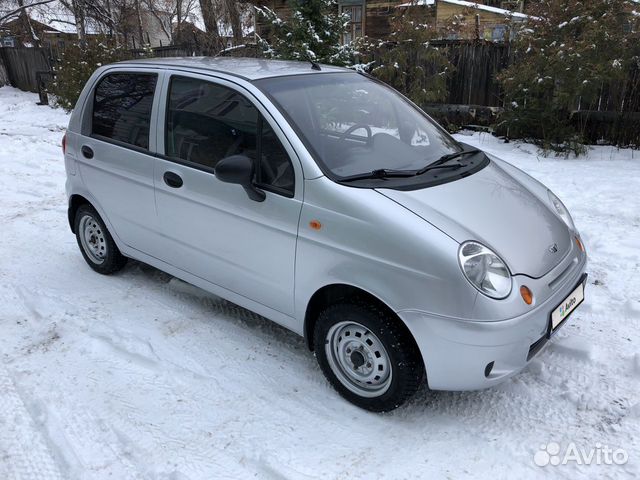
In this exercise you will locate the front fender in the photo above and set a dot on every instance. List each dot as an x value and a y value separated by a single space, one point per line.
370 242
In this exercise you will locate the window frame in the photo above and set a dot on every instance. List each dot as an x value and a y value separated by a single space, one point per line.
91 102
345 5
162 131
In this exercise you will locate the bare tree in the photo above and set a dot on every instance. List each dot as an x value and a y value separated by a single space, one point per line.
78 9
26 24
161 14
136 4
22 7
232 13
210 18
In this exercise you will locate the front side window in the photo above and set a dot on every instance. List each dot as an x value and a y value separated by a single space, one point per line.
122 108
354 125
207 122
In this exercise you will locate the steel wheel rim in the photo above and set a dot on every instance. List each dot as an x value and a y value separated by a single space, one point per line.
358 358
93 239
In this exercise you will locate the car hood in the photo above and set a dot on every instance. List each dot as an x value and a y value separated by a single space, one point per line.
494 208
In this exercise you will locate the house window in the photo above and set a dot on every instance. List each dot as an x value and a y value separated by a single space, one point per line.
355 29
495 33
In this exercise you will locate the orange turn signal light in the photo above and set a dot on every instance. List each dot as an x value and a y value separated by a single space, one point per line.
315 225
579 243
527 295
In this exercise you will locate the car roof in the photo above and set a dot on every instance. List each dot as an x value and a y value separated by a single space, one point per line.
247 68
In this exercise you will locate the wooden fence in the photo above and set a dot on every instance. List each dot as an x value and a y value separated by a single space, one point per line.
4 79
23 64
477 64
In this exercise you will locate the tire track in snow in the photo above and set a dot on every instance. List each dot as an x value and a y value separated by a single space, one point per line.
23 449
88 444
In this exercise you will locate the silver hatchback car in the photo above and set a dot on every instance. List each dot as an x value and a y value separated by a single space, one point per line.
327 202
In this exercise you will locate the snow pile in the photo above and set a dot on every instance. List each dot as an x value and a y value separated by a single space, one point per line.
140 375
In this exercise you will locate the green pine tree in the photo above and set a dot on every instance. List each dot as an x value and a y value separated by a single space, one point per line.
77 64
409 60
565 56
313 31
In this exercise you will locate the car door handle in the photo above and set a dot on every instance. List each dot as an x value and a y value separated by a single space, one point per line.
87 152
172 179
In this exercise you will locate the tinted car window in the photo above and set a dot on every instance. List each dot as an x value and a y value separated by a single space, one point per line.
122 108
275 167
208 122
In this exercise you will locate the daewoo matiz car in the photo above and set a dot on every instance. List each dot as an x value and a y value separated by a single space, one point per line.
327 202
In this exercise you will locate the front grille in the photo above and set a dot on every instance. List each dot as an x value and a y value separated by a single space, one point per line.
560 278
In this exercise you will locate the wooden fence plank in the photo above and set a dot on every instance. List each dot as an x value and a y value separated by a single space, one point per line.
22 64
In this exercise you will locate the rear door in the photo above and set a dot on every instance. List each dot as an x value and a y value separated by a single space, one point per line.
214 230
114 155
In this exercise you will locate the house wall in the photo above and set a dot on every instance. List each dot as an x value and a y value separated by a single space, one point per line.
377 17
281 7
378 14
15 29
490 26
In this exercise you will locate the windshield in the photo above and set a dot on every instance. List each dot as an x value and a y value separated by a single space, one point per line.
354 125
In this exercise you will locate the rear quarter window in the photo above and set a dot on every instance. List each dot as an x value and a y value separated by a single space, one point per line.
122 108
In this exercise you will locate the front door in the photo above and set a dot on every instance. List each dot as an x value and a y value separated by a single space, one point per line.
213 229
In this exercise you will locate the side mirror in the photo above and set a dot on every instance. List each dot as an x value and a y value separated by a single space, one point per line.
239 169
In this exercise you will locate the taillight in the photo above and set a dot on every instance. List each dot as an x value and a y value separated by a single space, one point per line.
64 144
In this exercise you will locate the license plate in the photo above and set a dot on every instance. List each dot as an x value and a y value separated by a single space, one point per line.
569 304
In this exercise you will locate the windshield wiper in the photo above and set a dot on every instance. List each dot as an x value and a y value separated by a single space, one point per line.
445 158
383 173
380 173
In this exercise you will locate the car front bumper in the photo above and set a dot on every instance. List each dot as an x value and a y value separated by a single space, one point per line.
462 354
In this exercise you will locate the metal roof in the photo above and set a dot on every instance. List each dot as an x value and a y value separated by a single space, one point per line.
247 68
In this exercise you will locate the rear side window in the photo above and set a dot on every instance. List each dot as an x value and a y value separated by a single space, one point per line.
122 108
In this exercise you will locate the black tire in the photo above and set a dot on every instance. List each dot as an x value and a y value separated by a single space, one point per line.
407 369
111 259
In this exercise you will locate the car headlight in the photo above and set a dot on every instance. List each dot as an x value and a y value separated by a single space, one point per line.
485 270
561 210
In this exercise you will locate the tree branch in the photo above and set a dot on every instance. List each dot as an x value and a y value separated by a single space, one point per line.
20 9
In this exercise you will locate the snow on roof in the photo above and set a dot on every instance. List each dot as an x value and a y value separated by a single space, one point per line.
486 8
418 3
249 68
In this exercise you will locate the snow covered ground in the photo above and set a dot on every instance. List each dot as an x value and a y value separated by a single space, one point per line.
140 375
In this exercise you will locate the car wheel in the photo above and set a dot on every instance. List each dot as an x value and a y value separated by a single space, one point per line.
95 242
367 356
